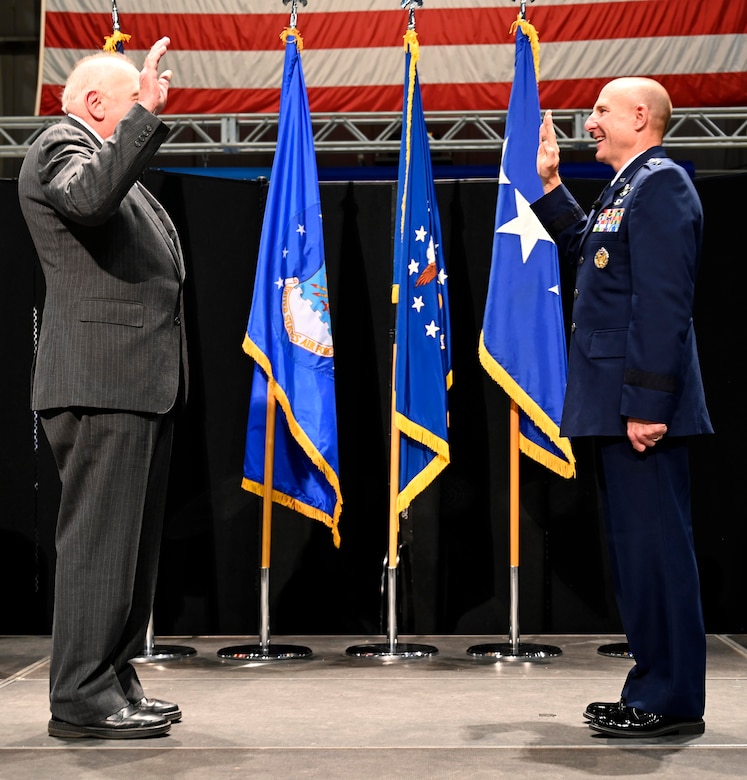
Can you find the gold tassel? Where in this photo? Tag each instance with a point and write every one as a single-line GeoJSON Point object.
{"type": "Point", "coordinates": [296, 35]}
{"type": "Point", "coordinates": [531, 33]}
{"type": "Point", "coordinates": [111, 41]}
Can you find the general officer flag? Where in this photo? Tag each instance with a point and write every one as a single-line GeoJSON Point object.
{"type": "Point", "coordinates": [289, 333]}
{"type": "Point", "coordinates": [422, 352]}
{"type": "Point", "coordinates": [522, 344]}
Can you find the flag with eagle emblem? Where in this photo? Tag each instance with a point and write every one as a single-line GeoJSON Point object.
{"type": "Point", "coordinates": [422, 350]}
{"type": "Point", "coordinates": [289, 333]}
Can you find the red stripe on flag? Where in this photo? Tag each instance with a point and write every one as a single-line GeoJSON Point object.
{"type": "Point", "coordinates": [692, 90]}
{"type": "Point", "coordinates": [367, 29]}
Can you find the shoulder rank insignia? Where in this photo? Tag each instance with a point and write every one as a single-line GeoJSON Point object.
{"type": "Point", "coordinates": [601, 258]}
{"type": "Point", "coordinates": [655, 161]}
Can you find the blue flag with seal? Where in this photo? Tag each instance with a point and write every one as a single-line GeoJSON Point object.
{"type": "Point", "coordinates": [522, 344]}
{"type": "Point", "coordinates": [422, 348]}
{"type": "Point", "coordinates": [289, 334]}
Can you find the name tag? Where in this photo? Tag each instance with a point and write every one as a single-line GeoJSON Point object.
{"type": "Point", "coordinates": [608, 221]}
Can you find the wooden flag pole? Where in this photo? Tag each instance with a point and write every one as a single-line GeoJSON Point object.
{"type": "Point", "coordinates": [393, 555]}
{"type": "Point", "coordinates": [264, 592]}
{"type": "Point", "coordinates": [263, 651]}
{"type": "Point", "coordinates": [392, 647]}
{"type": "Point", "coordinates": [513, 648]}
{"type": "Point", "coordinates": [513, 524]}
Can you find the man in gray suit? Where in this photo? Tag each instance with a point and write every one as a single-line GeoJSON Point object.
{"type": "Point", "coordinates": [110, 367]}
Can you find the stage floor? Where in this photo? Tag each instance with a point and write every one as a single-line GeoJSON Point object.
{"type": "Point", "coordinates": [448, 714]}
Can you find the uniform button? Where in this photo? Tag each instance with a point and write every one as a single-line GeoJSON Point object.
{"type": "Point", "coordinates": [573, 327]}
{"type": "Point", "coordinates": [177, 321]}
{"type": "Point", "coordinates": [580, 260]}
{"type": "Point", "coordinates": [575, 293]}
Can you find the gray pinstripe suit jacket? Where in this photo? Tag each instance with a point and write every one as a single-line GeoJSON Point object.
{"type": "Point", "coordinates": [112, 334]}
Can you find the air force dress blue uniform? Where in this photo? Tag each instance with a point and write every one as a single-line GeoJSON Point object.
{"type": "Point", "coordinates": [632, 353]}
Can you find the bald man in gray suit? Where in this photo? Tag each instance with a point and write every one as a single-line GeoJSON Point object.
{"type": "Point", "coordinates": [109, 370]}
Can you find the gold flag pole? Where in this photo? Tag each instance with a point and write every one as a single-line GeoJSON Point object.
{"type": "Point", "coordinates": [392, 648]}
{"type": "Point", "coordinates": [264, 651]}
{"type": "Point", "coordinates": [393, 554]}
{"type": "Point", "coordinates": [513, 648]}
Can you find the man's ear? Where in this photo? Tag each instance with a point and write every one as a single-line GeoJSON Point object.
{"type": "Point", "coordinates": [94, 105]}
{"type": "Point", "coordinates": [640, 116]}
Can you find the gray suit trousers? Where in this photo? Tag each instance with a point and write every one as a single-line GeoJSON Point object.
{"type": "Point", "coordinates": [114, 471]}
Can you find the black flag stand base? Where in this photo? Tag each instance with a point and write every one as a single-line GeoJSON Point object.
{"type": "Point", "coordinates": [616, 650]}
{"type": "Point", "coordinates": [514, 648]}
{"type": "Point", "coordinates": [155, 653]}
{"type": "Point", "coordinates": [264, 651]}
{"type": "Point", "coordinates": [268, 652]}
{"type": "Point", "coordinates": [392, 648]}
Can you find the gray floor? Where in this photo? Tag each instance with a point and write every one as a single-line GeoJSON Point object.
{"type": "Point", "coordinates": [450, 714]}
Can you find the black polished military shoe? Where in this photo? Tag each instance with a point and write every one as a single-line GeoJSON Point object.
{"type": "Point", "coordinates": [631, 722]}
{"type": "Point", "coordinates": [597, 708]}
{"type": "Point", "coordinates": [159, 707]}
{"type": "Point", "coordinates": [128, 723]}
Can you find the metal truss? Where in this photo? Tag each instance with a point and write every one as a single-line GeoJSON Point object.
{"type": "Point", "coordinates": [215, 135]}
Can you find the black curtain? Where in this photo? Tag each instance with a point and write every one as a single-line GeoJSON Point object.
{"type": "Point", "coordinates": [454, 575]}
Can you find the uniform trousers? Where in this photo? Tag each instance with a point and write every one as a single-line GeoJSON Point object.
{"type": "Point", "coordinates": [113, 467]}
{"type": "Point", "coordinates": [646, 506]}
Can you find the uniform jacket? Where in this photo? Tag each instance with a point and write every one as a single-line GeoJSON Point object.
{"type": "Point", "coordinates": [632, 350]}
{"type": "Point", "coordinates": [112, 334]}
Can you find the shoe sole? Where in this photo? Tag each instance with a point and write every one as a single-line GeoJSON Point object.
{"type": "Point", "coordinates": [72, 731]}
{"type": "Point", "coordinates": [172, 717]}
{"type": "Point", "coordinates": [677, 729]}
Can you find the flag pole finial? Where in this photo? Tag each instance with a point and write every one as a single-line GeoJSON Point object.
{"type": "Point", "coordinates": [523, 9]}
{"type": "Point", "coordinates": [410, 5]}
{"type": "Point", "coordinates": [294, 11]}
{"type": "Point", "coordinates": [115, 16]}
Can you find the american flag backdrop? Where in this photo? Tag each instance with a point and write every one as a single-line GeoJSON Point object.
{"type": "Point", "coordinates": [226, 54]}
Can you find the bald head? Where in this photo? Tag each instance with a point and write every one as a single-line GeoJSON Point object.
{"type": "Point", "coordinates": [647, 92]}
{"type": "Point", "coordinates": [631, 115]}
{"type": "Point", "coordinates": [97, 72]}
{"type": "Point", "coordinates": [101, 89]}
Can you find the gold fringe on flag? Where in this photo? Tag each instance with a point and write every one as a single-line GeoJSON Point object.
{"type": "Point", "coordinates": [296, 36]}
{"type": "Point", "coordinates": [111, 41]}
{"type": "Point", "coordinates": [531, 33]}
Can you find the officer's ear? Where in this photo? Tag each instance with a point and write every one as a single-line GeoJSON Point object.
{"type": "Point", "coordinates": [640, 116]}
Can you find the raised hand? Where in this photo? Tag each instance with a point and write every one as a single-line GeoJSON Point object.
{"type": "Point", "coordinates": [548, 154]}
{"type": "Point", "coordinates": [154, 88]}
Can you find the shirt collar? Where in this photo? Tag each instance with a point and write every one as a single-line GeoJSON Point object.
{"type": "Point", "coordinates": [86, 125]}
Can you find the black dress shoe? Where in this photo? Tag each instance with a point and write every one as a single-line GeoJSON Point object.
{"type": "Point", "coordinates": [597, 708]}
{"type": "Point", "coordinates": [631, 722]}
{"type": "Point", "coordinates": [128, 723]}
{"type": "Point", "coordinates": [159, 707]}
